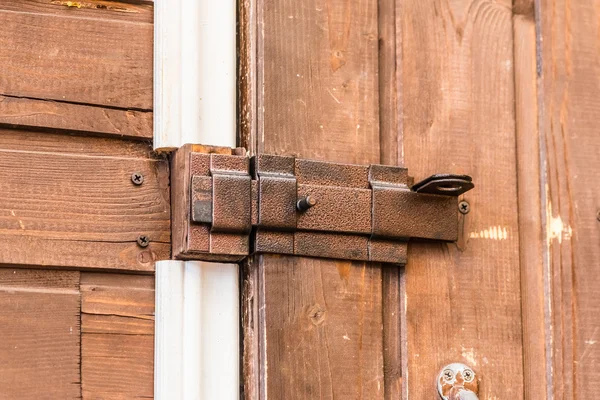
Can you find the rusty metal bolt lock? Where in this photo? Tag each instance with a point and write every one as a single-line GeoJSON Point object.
{"type": "Point", "coordinates": [464, 207]}
{"type": "Point", "coordinates": [457, 382]}
{"type": "Point", "coordinates": [143, 241]}
{"type": "Point", "coordinates": [305, 203]}
{"type": "Point", "coordinates": [137, 178]}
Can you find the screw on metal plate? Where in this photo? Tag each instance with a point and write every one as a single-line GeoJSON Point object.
{"type": "Point", "coordinates": [305, 203]}
{"type": "Point", "coordinates": [143, 241]}
{"type": "Point", "coordinates": [137, 178]}
{"type": "Point", "coordinates": [445, 184]}
{"type": "Point", "coordinates": [457, 382]}
{"type": "Point", "coordinates": [464, 207]}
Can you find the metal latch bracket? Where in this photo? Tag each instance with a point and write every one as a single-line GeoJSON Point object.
{"type": "Point", "coordinates": [226, 206]}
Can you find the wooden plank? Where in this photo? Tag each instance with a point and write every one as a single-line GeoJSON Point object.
{"type": "Point", "coordinates": [136, 10]}
{"type": "Point", "coordinates": [463, 300]}
{"type": "Point", "coordinates": [315, 325]}
{"type": "Point", "coordinates": [77, 209]}
{"type": "Point", "coordinates": [570, 192]}
{"type": "Point", "coordinates": [15, 111]}
{"type": "Point", "coordinates": [39, 327]}
{"type": "Point", "coordinates": [536, 372]}
{"type": "Point", "coordinates": [71, 59]}
{"type": "Point", "coordinates": [117, 336]}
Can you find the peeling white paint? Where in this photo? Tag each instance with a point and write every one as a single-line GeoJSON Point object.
{"type": "Point", "coordinates": [555, 228]}
{"type": "Point", "coordinates": [469, 355]}
{"type": "Point", "coordinates": [493, 232]}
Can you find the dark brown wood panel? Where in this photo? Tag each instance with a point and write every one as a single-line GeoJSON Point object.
{"type": "Point", "coordinates": [16, 111]}
{"type": "Point", "coordinates": [67, 58]}
{"type": "Point", "coordinates": [314, 327]}
{"type": "Point", "coordinates": [117, 336]}
{"type": "Point", "coordinates": [570, 73]}
{"type": "Point", "coordinates": [40, 335]}
{"type": "Point", "coordinates": [81, 210]}
{"type": "Point", "coordinates": [463, 300]}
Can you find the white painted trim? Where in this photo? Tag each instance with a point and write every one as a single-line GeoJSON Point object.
{"type": "Point", "coordinates": [197, 304]}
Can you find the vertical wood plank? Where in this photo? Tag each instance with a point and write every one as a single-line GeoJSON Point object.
{"type": "Point", "coordinates": [535, 339]}
{"type": "Point", "coordinates": [463, 300]}
{"type": "Point", "coordinates": [117, 336]}
{"type": "Point", "coordinates": [40, 336]}
{"type": "Point", "coordinates": [570, 69]}
{"type": "Point", "coordinates": [317, 324]}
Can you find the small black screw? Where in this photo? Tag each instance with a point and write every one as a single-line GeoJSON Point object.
{"type": "Point", "coordinates": [143, 241]}
{"type": "Point", "coordinates": [305, 203]}
{"type": "Point", "coordinates": [464, 207]}
{"type": "Point", "coordinates": [137, 178]}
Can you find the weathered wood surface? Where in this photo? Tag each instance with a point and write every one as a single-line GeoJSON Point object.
{"type": "Point", "coordinates": [71, 203]}
{"type": "Point", "coordinates": [463, 300]}
{"type": "Point", "coordinates": [536, 372]}
{"type": "Point", "coordinates": [39, 331]}
{"type": "Point", "coordinates": [69, 57]}
{"type": "Point", "coordinates": [117, 336]}
{"type": "Point", "coordinates": [31, 113]}
{"type": "Point", "coordinates": [570, 198]}
{"type": "Point", "coordinates": [314, 327]}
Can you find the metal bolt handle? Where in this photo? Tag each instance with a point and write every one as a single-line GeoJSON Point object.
{"type": "Point", "coordinates": [457, 382]}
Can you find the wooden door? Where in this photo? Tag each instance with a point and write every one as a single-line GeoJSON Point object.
{"type": "Point", "coordinates": [505, 91]}
{"type": "Point", "coordinates": [76, 290]}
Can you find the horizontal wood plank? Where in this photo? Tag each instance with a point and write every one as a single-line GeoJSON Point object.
{"type": "Point", "coordinates": [40, 335]}
{"type": "Point", "coordinates": [71, 59]}
{"type": "Point", "coordinates": [82, 210]}
{"type": "Point", "coordinates": [117, 325]}
{"type": "Point", "coordinates": [136, 10]}
{"type": "Point", "coordinates": [16, 111]}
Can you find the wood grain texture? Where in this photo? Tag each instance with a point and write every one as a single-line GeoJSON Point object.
{"type": "Point", "coordinates": [117, 336]}
{"type": "Point", "coordinates": [31, 113]}
{"type": "Point", "coordinates": [463, 300]}
{"type": "Point", "coordinates": [535, 339]}
{"type": "Point", "coordinates": [71, 59]}
{"type": "Point", "coordinates": [570, 73]}
{"type": "Point", "coordinates": [139, 11]}
{"type": "Point", "coordinates": [314, 325]}
{"type": "Point", "coordinates": [39, 327]}
{"type": "Point", "coordinates": [78, 209]}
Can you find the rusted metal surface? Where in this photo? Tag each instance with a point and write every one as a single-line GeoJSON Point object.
{"type": "Point", "coordinates": [310, 208]}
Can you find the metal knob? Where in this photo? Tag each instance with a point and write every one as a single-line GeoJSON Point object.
{"type": "Point", "coordinates": [457, 382]}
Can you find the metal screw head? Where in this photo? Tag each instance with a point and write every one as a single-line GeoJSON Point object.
{"type": "Point", "coordinates": [448, 375]}
{"type": "Point", "coordinates": [143, 241]}
{"type": "Point", "coordinates": [468, 375]}
{"type": "Point", "coordinates": [137, 178]}
{"type": "Point", "coordinates": [464, 207]}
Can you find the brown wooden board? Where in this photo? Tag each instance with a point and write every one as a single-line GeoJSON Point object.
{"type": "Point", "coordinates": [72, 203]}
{"type": "Point", "coordinates": [67, 57]}
{"type": "Point", "coordinates": [570, 193]}
{"type": "Point", "coordinates": [39, 334]}
{"type": "Point", "coordinates": [536, 373]}
{"type": "Point", "coordinates": [17, 111]}
{"type": "Point", "coordinates": [463, 300]}
{"type": "Point", "coordinates": [314, 327]}
{"type": "Point", "coordinates": [117, 336]}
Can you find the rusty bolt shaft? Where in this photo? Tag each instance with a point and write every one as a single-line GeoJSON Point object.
{"type": "Point", "coordinates": [305, 203]}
